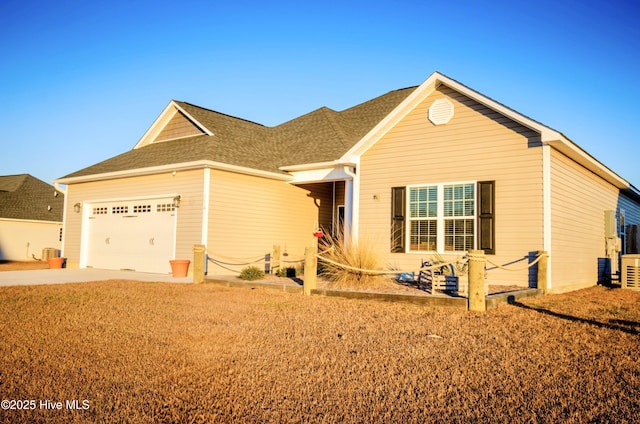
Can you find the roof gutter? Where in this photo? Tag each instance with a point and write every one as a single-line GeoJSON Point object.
{"type": "Point", "coordinates": [185, 166]}
{"type": "Point", "coordinates": [576, 153]}
{"type": "Point", "coordinates": [309, 166]}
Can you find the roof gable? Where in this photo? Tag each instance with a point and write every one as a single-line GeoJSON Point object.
{"type": "Point", "coordinates": [178, 127]}
{"type": "Point", "coordinates": [548, 136]}
{"type": "Point", "coordinates": [174, 122]}
{"type": "Point", "coordinates": [28, 198]}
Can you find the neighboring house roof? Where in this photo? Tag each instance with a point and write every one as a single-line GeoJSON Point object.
{"type": "Point", "coordinates": [26, 197]}
{"type": "Point", "coordinates": [321, 135]}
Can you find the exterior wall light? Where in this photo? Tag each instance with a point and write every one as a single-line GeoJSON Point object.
{"type": "Point", "coordinates": [77, 207]}
{"type": "Point", "coordinates": [176, 201]}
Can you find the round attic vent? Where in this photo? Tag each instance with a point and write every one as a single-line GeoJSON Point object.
{"type": "Point", "coordinates": [441, 111]}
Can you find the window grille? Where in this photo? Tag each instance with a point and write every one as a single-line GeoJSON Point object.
{"type": "Point", "coordinates": [141, 208]}
{"type": "Point", "coordinates": [165, 207]}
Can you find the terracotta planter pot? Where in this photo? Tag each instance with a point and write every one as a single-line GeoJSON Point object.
{"type": "Point", "coordinates": [179, 267]}
{"type": "Point", "coordinates": [55, 262]}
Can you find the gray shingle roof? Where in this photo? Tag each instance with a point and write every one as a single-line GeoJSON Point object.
{"type": "Point", "coordinates": [26, 197]}
{"type": "Point", "coordinates": [319, 136]}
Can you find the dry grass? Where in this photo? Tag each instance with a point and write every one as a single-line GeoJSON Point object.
{"type": "Point", "coordinates": [22, 265]}
{"type": "Point", "coordinates": [150, 352]}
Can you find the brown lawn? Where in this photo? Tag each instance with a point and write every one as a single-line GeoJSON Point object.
{"type": "Point", "coordinates": [22, 265]}
{"type": "Point", "coordinates": [155, 352]}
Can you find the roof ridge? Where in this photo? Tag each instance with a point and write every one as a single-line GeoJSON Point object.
{"type": "Point", "coordinates": [301, 117]}
{"type": "Point", "coordinates": [331, 116]}
{"type": "Point", "coordinates": [413, 87]}
{"type": "Point", "coordinates": [11, 183]}
{"type": "Point", "coordinates": [180, 102]}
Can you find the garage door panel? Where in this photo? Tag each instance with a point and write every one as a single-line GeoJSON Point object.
{"type": "Point", "coordinates": [137, 235]}
{"type": "Point", "coordinates": [101, 242]}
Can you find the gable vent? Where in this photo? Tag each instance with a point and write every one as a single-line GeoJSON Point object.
{"type": "Point", "coordinates": [631, 272]}
{"type": "Point", "coordinates": [441, 112]}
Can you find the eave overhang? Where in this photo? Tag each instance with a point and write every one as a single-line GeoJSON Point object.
{"type": "Point", "coordinates": [185, 166]}
{"type": "Point", "coordinates": [319, 172]}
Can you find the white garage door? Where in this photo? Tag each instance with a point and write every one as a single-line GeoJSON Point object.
{"type": "Point", "coordinates": [137, 235]}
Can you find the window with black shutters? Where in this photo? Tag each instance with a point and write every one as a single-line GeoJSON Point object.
{"type": "Point", "coordinates": [443, 217]}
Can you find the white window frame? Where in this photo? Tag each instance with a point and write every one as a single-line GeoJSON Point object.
{"type": "Point", "coordinates": [411, 219]}
{"type": "Point", "coordinates": [440, 218]}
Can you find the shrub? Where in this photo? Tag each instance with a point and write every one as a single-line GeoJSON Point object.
{"type": "Point", "coordinates": [359, 255]}
{"type": "Point", "coordinates": [251, 273]}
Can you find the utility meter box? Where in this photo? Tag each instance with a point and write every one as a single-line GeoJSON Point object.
{"type": "Point", "coordinates": [610, 224]}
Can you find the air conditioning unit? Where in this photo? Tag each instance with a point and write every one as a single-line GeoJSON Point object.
{"type": "Point", "coordinates": [631, 272]}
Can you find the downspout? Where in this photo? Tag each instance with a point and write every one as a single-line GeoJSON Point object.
{"type": "Point", "coordinates": [352, 206]}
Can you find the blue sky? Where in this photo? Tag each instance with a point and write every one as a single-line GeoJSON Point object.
{"type": "Point", "coordinates": [81, 81]}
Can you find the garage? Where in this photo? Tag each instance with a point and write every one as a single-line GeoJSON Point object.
{"type": "Point", "coordinates": [134, 235]}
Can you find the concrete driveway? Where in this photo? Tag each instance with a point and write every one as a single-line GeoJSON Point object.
{"type": "Point", "coordinates": [75, 275]}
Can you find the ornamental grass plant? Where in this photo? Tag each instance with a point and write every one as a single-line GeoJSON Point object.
{"type": "Point", "coordinates": [349, 263]}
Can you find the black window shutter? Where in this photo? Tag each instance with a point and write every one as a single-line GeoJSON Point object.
{"type": "Point", "coordinates": [397, 219]}
{"type": "Point", "coordinates": [486, 217]}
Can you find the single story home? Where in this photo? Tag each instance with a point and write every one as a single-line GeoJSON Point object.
{"type": "Point", "coordinates": [434, 169]}
{"type": "Point", "coordinates": [30, 217]}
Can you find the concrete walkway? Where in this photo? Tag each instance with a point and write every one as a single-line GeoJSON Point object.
{"type": "Point", "coordinates": [75, 275]}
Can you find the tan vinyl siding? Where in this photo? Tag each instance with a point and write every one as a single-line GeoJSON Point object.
{"type": "Point", "coordinates": [178, 127]}
{"type": "Point", "coordinates": [476, 145]}
{"type": "Point", "coordinates": [579, 199]}
{"type": "Point", "coordinates": [329, 196]}
{"type": "Point", "coordinates": [248, 215]}
{"type": "Point", "coordinates": [23, 240]}
{"type": "Point", "coordinates": [189, 184]}
{"type": "Point", "coordinates": [323, 192]}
